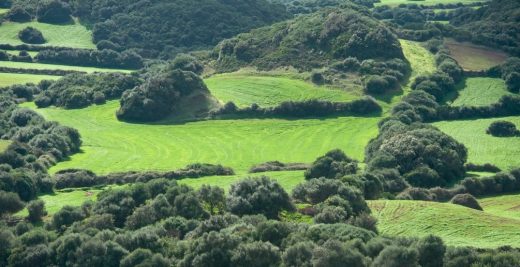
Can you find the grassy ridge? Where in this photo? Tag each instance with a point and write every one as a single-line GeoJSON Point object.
{"type": "Point", "coordinates": [70, 35]}
{"type": "Point", "coordinates": [474, 57]}
{"type": "Point", "coordinates": [506, 205]}
{"type": "Point", "coordinates": [484, 148]}
{"type": "Point", "coordinates": [244, 90]}
{"type": "Point", "coordinates": [457, 225]}
{"type": "Point", "coordinates": [7, 79]}
{"type": "Point", "coordinates": [41, 66]}
{"type": "Point", "coordinates": [110, 145]}
{"type": "Point", "coordinates": [4, 144]}
{"type": "Point", "coordinates": [481, 91]}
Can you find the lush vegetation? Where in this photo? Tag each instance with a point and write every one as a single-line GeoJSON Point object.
{"type": "Point", "coordinates": [7, 79]}
{"type": "Point", "coordinates": [480, 91]}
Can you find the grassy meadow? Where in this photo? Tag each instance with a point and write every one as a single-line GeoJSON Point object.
{"type": "Point", "coordinates": [505, 205]}
{"type": "Point", "coordinates": [480, 91]}
{"type": "Point", "coordinates": [110, 145]}
{"type": "Point", "coordinates": [475, 57]}
{"type": "Point", "coordinates": [42, 66]}
{"type": "Point", "coordinates": [7, 79]}
{"type": "Point", "coordinates": [245, 89]}
{"type": "Point", "coordinates": [72, 35]}
{"type": "Point", "coordinates": [4, 144]}
{"type": "Point", "coordinates": [482, 147]}
{"type": "Point", "coordinates": [456, 225]}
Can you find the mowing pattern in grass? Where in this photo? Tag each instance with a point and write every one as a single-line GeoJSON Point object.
{"type": "Point", "coordinates": [484, 148]}
{"type": "Point", "coordinates": [244, 90]}
{"type": "Point", "coordinates": [474, 57]}
{"type": "Point", "coordinates": [424, 2]}
{"type": "Point", "coordinates": [506, 206]}
{"type": "Point", "coordinates": [456, 225]}
{"type": "Point", "coordinates": [70, 35]}
{"type": "Point", "coordinates": [481, 92]}
{"type": "Point", "coordinates": [110, 145]}
{"type": "Point", "coordinates": [4, 144]}
{"type": "Point", "coordinates": [40, 66]}
{"type": "Point", "coordinates": [7, 79]}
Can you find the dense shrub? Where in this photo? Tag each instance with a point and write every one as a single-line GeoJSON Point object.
{"type": "Point", "coordinates": [487, 167]}
{"type": "Point", "coordinates": [53, 11]}
{"type": "Point", "coordinates": [502, 129]}
{"type": "Point", "coordinates": [91, 58]}
{"type": "Point", "coordinates": [36, 211]}
{"type": "Point", "coordinates": [513, 82]}
{"type": "Point", "coordinates": [466, 200]}
{"type": "Point", "coordinates": [18, 14]}
{"type": "Point", "coordinates": [9, 203]}
{"type": "Point", "coordinates": [334, 164]}
{"type": "Point", "coordinates": [31, 35]}
{"type": "Point", "coordinates": [187, 62]}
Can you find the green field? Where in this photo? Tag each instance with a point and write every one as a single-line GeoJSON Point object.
{"type": "Point", "coordinates": [16, 52]}
{"type": "Point", "coordinates": [4, 144]}
{"type": "Point", "coordinates": [110, 145]}
{"type": "Point", "coordinates": [244, 90]}
{"type": "Point", "coordinates": [504, 205]}
{"type": "Point", "coordinates": [481, 91]}
{"type": "Point", "coordinates": [456, 225]}
{"type": "Point", "coordinates": [424, 2]}
{"type": "Point", "coordinates": [70, 35]}
{"type": "Point", "coordinates": [41, 66]}
{"type": "Point", "coordinates": [7, 79]}
{"type": "Point", "coordinates": [474, 57]}
{"type": "Point", "coordinates": [4, 10]}
{"type": "Point", "coordinates": [484, 148]}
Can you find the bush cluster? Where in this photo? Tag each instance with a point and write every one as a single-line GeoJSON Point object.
{"type": "Point", "coordinates": [31, 35]}
{"type": "Point", "coordinates": [91, 58]}
{"type": "Point", "coordinates": [277, 166]}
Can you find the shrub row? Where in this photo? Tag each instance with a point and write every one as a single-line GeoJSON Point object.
{"type": "Point", "coordinates": [277, 166]}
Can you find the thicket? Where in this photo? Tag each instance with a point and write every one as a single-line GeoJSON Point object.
{"type": "Point", "coordinates": [91, 58]}
{"type": "Point", "coordinates": [502, 129]}
{"type": "Point", "coordinates": [31, 35]}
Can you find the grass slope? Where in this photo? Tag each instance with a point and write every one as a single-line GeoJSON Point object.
{"type": "Point", "coordinates": [7, 79]}
{"type": "Point", "coordinates": [474, 57]}
{"type": "Point", "coordinates": [4, 144]}
{"type": "Point", "coordinates": [456, 225]}
{"type": "Point", "coordinates": [506, 205]}
{"type": "Point", "coordinates": [245, 89]}
{"type": "Point", "coordinates": [41, 66]}
{"type": "Point", "coordinates": [110, 145]}
{"type": "Point", "coordinates": [480, 91]}
{"type": "Point", "coordinates": [69, 35]}
{"type": "Point", "coordinates": [484, 148]}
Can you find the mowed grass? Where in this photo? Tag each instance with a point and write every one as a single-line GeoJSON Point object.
{"type": "Point", "coordinates": [424, 2]}
{"type": "Point", "coordinates": [41, 66]}
{"type": "Point", "coordinates": [505, 205]}
{"type": "Point", "coordinates": [70, 35]}
{"type": "Point", "coordinates": [4, 144]}
{"type": "Point", "coordinates": [456, 225]}
{"type": "Point", "coordinates": [480, 91]}
{"type": "Point", "coordinates": [474, 57]}
{"type": "Point", "coordinates": [110, 145]}
{"type": "Point", "coordinates": [245, 89]}
{"type": "Point", "coordinates": [7, 79]}
{"type": "Point", "coordinates": [483, 148]}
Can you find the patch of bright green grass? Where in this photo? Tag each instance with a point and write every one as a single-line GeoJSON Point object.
{"type": "Point", "coordinates": [3, 10]}
{"type": "Point", "coordinates": [4, 144]}
{"type": "Point", "coordinates": [456, 225]}
{"type": "Point", "coordinates": [68, 35]}
{"type": "Point", "coordinates": [475, 57]}
{"type": "Point", "coordinates": [110, 145]}
{"type": "Point", "coordinates": [482, 147]}
{"type": "Point", "coordinates": [7, 79]}
{"type": "Point", "coordinates": [480, 91]}
{"type": "Point", "coordinates": [244, 90]}
{"type": "Point", "coordinates": [424, 2]}
{"type": "Point", "coordinates": [506, 205]}
{"type": "Point", "coordinates": [16, 52]}
{"type": "Point", "coordinates": [41, 66]}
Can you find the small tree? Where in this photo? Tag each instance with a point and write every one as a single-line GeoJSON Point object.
{"type": "Point", "coordinates": [31, 35]}
{"type": "Point", "coordinates": [466, 200]}
{"type": "Point", "coordinates": [513, 82]}
{"type": "Point", "coordinates": [36, 210]}
{"type": "Point", "coordinates": [502, 129]}
{"type": "Point", "coordinates": [376, 85]}
{"type": "Point", "coordinates": [10, 203]}
{"type": "Point", "coordinates": [334, 164]}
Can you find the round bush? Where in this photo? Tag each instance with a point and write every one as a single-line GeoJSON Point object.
{"type": "Point", "coordinates": [466, 200]}
{"type": "Point", "coordinates": [502, 129]}
{"type": "Point", "coordinates": [376, 85]}
{"type": "Point", "coordinates": [53, 11]}
{"type": "Point", "coordinates": [18, 14]}
{"type": "Point", "coordinates": [31, 35]}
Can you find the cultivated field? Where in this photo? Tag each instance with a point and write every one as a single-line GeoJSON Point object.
{"type": "Point", "coordinates": [70, 35]}
{"type": "Point", "coordinates": [110, 145]}
{"type": "Point", "coordinates": [245, 89]}
{"type": "Point", "coordinates": [7, 79]}
{"type": "Point", "coordinates": [474, 57]}
{"type": "Point", "coordinates": [457, 225]}
{"type": "Point", "coordinates": [480, 91]}
{"type": "Point", "coordinates": [41, 66]}
{"type": "Point", "coordinates": [484, 148]}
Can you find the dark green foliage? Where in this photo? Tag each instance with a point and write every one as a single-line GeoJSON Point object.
{"type": "Point", "coordinates": [258, 196]}
{"type": "Point", "coordinates": [36, 210]}
{"type": "Point", "coordinates": [159, 95]}
{"type": "Point", "coordinates": [106, 58]}
{"type": "Point", "coordinates": [336, 254]}
{"type": "Point", "coordinates": [431, 251]}
{"type": "Point", "coordinates": [144, 257]}
{"type": "Point", "coordinates": [31, 35]}
{"type": "Point", "coordinates": [66, 216]}
{"type": "Point", "coordinates": [513, 82]}
{"type": "Point", "coordinates": [213, 198]}
{"type": "Point", "coordinates": [334, 164]}
{"type": "Point", "coordinates": [396, 256]}
{"type": "Point", "coordinates": [9, 203]}
{"type": "Point", "coordinates": [256, 254]}
{"type": "Point", "coordinates": [187, 62]}
{"type": "Point", "coordinates": [376, 84]}
{"type": "Point", "coordinates": [53, 11]}
{"type": "Point", "coordinates": [502, 129]}
{"type": "Point", "coordinates": [18, 14]}
{"type": "Point", "coordinates": [298, 255]}
{"type": "Point", "coordinates": [277, 166]}
{"type": "Point", "coordinates": [466, 200]}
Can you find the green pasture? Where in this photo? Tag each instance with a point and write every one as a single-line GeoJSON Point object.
{"type": "Point", "coordinates": [3, 10]}
{"type": "Point", "coordinates": [480, 91]}
{"type": "Point", "coordinates": [7, 79]}
{"type": "Point", "coordinates": [456, 225]}
{"type": "Point", "coordinates": [110, 145]}
{"type": "Point", "coordinates": [245, 89]}
{"type": "Point", "coordinates": [42, 66]}
{"type": "Point", "coordinates": [474, 57]}
{"type": "Point", "coordinates": [484, 148]}
{"type": "Point", "coordinates": [4, 144]}
{"type": "Point", "coordinates": [72, 35]}
{"type": "Point", "coordinates": [505, 205]}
